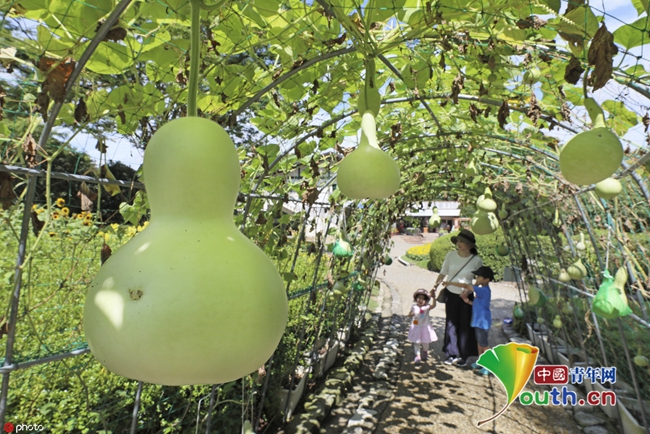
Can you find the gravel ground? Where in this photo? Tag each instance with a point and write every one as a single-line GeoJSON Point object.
{"type": "Point", "coordinates": [436, 398]}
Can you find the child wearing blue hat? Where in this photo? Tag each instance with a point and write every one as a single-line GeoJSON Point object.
{"type": "Point", "coordinates": [481, 314]}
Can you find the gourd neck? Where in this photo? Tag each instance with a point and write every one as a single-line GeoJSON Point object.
{"type": "Point", "coordinates": [368, 131]}
{"type": "Point", "coordinates": [596, 113]}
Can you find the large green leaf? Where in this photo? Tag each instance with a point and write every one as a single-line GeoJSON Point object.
{"type": "Point", "coordinates": [110, 58]}
{"type": "Point", "coordinates": [641, 6]}
{"type": "Point", "coordinates": [621, 119]}
{"type": "Point", "coordinates": [633, 35]}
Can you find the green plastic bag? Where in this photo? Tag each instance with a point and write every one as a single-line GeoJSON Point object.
{"type": "Point", "coordinates": [609, 303]}
{"type": "Point", "coordinates": [342, 249]}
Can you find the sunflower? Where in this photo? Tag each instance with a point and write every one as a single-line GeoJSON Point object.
{"type": "Point", "coordinates": [52, 234]}
{"type": "Point", "coordinates": [56, 215]}
{"type": "Point", "coordinates": [60, 203]}
{"type": "Point", "coordinates": [81, 215]}
{"type": "Point", "coordinates": [87, 222]}
{"type": "Point", "coordinates": [65, 211]}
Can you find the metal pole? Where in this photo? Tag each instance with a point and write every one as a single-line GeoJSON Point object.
{"type": "Point", "coordinates": [602, 267]}
{"type": "Point", "coordinates": [29, 201]}
{"type": "Point", "coordinates": [209, 420]}
{"type": "Point", "coordinates": [136, 408]}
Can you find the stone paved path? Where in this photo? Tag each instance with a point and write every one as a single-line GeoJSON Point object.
{"type": "Point", "coordinates": [436, 398]}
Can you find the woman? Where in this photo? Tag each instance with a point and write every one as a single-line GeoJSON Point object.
{"type": "Point", "coordinates": [460, 338]}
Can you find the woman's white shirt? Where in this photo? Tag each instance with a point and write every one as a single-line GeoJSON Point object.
{"type": "Point", "coordinates": [453, 263]}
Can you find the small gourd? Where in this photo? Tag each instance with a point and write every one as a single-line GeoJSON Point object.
{"type": "Point", "coordinates": [577, 271]}
{"type": "Point", "coordinates": [641, 361]}
{"type": "Point", "coordinates": [580, 245]}
{"type": "Point", "coordinates": [620, 279]}
{"type": "Point", "coordinates": [557, 322]}
{"type": "Point", "coordinates": [563, 276]}
{"type": "Point", "coordinates": [519, 313]}
{"type": "Point", "coordinates": [608, 188]}
{"type": "Point", "coordinates": [484, 223]}
{"type": "Point", "coordinates": [567, 309]}
{"type": "Point", "coordinates": [166, 307]}
{"type": "Point", "coordinates": [485, 201]}
{"type": "Point", "coordinates": [387, 260]}
{"type": "Point", "coordinates": [502, 249]}
{"type": "Point", "coordinates": [368, 172]}
{"type": "Point", "coordinates": [556, 220]}
{"type": "Point", "coordinates": [471, 169]}
{"type": "Point", "coordinates": [593, 155]}
{"type": "Point", "coordinates": [532, 76]}
{"type": "Point", "coordinates": [536, 296]}
{"type": "Point", "coordinates": [435, 220]}
{"type": "Point", "coordinates": [540, 320]}
{"type": "Point", "coordinates": [503, 213]}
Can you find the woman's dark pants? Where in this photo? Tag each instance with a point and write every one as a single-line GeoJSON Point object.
{"type": "Point", "coordinates": [460, 338]}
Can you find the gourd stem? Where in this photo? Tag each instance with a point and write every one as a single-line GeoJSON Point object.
{"type": "Point", "coordinates": [595, 113]}
{"type": "Point", "coordinates": [195, 54]}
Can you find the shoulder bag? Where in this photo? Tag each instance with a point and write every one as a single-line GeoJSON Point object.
{"type": "Point", "coordinates": [444, 293]}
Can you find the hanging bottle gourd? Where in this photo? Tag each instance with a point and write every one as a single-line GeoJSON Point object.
{"type": "Point", "coordinates": [577, 270]}
{"type": "Point", "coordinates": [163, 308]}
{"type": "Point", "coordinates": [563, 276]}
{"type": "Point", "coordinates": [593, 155]}
{"type": "Point", "coordinates": [368, 172]}
{"type": "Point", "coordinates": [191, 264]}
{"type": "Point", "coordinates": [608, 302]}
{"type": "Point", "coordinates": [580, 245]}
{"type": "Point", "coordinates": [532, 76]}
{"type": "Point", "coordinates": [484, 223]}
{"type": "Point", "coordinates": [503, 213]}
{"type": "Point", "coordinates": [471, 170]}
{"type": "Point", "coordinates": [608, 188]}
{"type": "Point", "coordinates": [342, 248]}
{"type": "Point", "coordinates": [620, 279]}
{"type": "Point", "coordinates": [435, 220]}
{"type": "Point", "coordinates": [557, 322]}
{"type": "Point", "coordinates": [485, 201]}
{"type": "Point", "coordinates": [518, 312]}
{"type": "Point", "coordinates": [502, 249]}
{"type": "Point", "coordinates": [556, 220]}
{"type": "Point", "coordinates": [536, 296]}
{"type": "Point", "coordinates": [247, 428]}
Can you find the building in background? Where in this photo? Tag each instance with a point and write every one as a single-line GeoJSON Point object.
{"type": "Point", "coordinates": [449, 213]}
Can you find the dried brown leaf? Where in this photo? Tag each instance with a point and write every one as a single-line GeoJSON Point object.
{"type": "Point", "coordinates": [81, 112]}
{"type": "Point", "coordinates": [29, 148]}
{"type": "Point", "coordinates": [7, 194]}
{"type": "Point", "coordinates": [57, 76]}
{"type": "Point", "coordinates": [105, 253]}
{"type": "Point", "coordinates": [573, 71]}
{"type": "Point", "coordinates": [534, 111]}
{"type": "Point", "coordinates": [504, 112]}
{"type": "Point", "coordinates": [456, 87]}
{"type": "Point", "coordinates": [601, 54]}
{"type": "Point", "coordinates": [116, 34]}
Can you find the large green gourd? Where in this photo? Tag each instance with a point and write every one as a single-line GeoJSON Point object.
{"type": "Point", "coordinates": [189, 300]}
{"type": "Point", "coordinates": [484, 223]}
{"type": "Point", "coordinates": [368, 172]}
{"type": "Point", "coordinates": [594, 155]}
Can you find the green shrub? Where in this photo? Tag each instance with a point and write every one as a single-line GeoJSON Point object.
{"type": "Point", "coordinates": [486, 245]}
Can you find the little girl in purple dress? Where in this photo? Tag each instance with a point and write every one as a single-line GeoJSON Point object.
{"type": "Point", "coordinates": [421, 333]}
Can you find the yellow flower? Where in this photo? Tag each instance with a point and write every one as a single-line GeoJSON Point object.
{"type": "Point", "coordinates": [34, 207]}
{"type": "Point", "coordinates": [60, 202]}
{"type": "Point", "coordinates": [56, 215]}
{"type": "Point", "coordinates": [81, 216]}
{"type": "Point", "coordinates": [65, 211]}
{"type": "Point", "coordinates": [130, 231]}
{"type": "Point", "coordinates": [87, 222]}
{"type": "Point", "coordinates": [40, 211]}
{"type": "Point", "coordinates": [107, 237]}
{"type": "Point", "coordinates": [144, 225]}
{"type": "Point", "coordinates": [115, 226]}
{"type": "Point", "coordinates": [88, 218]}
{"type": "Point", "coordinates": [52, 234]}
